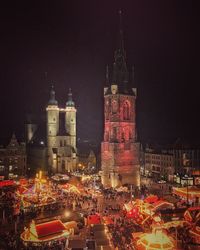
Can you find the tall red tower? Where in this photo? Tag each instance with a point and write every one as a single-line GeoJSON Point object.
{"type": "Point", "coordinates": [119, 149]}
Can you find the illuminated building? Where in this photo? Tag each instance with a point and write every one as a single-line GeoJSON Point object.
{"type": "Point", "coordinates": [13, 159]}
{"type": "Point", "coordinates": [167, 160]}
{"type": "Point", "coordinates": [119, 149]}
{"type": "Point", "coordinates": [61, 134]}
{"type": "Point", "coordinates": [159, 164]}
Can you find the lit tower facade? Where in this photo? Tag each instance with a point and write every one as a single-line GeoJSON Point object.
{"type": "Point", "coordinates": [52, 123]}
{"type": "Point", "coordinates": [61, 135]}
{"type": "Point", "coordinates": [70, 119]}
{"type": "Point", "coordinates": [119, 149]}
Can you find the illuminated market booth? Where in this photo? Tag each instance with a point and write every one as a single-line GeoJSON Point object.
{"type": "Point", "coordinates": [45, 233]}
{"type": "Point", "coordinates": [189, 193]}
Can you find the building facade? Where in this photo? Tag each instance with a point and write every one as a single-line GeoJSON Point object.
{"type": "Point", "coordinates": [159, 164]}
{"type": "Point", "coordinates": [119, 149]}
{"type": "Point", "coordinates": [61, 135]}
{"type": "Point", "coordinates": [13, 159]}
{"type": "Point", "coordinates": [170, 162]}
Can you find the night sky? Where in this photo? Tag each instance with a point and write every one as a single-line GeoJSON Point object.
{"type": "Point", "coordinates": [70, 42]}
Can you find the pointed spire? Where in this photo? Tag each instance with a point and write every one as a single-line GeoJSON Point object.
{"type": "Point", "coordinates": [107, 75]}
{"type": "Point", "coordinates": [52, 100]}
{"type": "Point", "coordinates": [133, 74]}
{"type": "Point", "coordinates": [120, 72]}
{"type": "Point", "coordinates": [70, 102]}
{"type": "Point", "coordinates": [13, 142]}
{"type": "Point", "coordinates": [121, 38]}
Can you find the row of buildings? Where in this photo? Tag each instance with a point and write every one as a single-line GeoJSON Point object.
{"type": "Point", "coordinates": [167, 163]}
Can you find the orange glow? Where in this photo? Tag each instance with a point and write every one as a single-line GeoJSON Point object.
{"type": "Point", "coordinates": [191, 192]}
{"type": "Point", "coordinates": [156, 240]}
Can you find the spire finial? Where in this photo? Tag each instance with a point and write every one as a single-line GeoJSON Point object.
{"type": "Point", "coordinates": [52, 100]}
{"type": "Point", "coordinates": [121, 39]}
{"type": "Point", "coordinates": [133, 73]}
{"type": "Point", "coordinates": [70, 102]}
{"type": "Point", "coordinates": [107, 74]}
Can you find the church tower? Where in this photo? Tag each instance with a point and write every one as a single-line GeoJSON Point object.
{"type": "Point", "coordinates": [61, 135]}
{"type": "Point", "coordinates": [70, 119]}
{"type": "Point", "coordinates": [119, 149]}
{"type": "Point", "coordinates": [52, 125]}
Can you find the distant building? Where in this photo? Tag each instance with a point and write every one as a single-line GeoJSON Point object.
{"type": "Point", "coordinates": [13, 159]}
{"type": "Point", "coordinates": [159, 164]}
{"type": "Point", "coordinates": [168, 161]}
{"type": "Point", "coordinates": [119, 149]}
{"type": "Point", "coordinates": [87, 159]}
{"type": "Point", "coordinates": [186, 159]}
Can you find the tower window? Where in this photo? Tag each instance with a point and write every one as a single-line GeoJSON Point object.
{"type": "Point", "coordinates": [61, 144]}
{"type": "Point", "coordinates": [114, 135]}
{"type": "Point", "coordinates": [114, 106]}
{"type": "Point", "coordinates": [126, 111]}
{"type": "Point", "coordinates": [122, 136]}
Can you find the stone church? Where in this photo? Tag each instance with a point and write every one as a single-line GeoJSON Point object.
{"type": "Point", "coordinates": [56, 152]}
{"type": "Point", "coordinates": [61, 134]}
{"type": "Point", "coordinates": [119, 149]}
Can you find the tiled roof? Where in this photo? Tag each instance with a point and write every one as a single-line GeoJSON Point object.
{"type": "Point", "coordinates": [49, 228]}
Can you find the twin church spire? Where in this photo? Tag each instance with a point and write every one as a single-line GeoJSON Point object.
{"type": "Point", "coordinates": [53, 101]}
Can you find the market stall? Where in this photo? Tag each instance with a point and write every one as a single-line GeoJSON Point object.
{"type": "Point", "coordinates": [189, 193]}
{"type": "Point", "coordinates": [41, 234]}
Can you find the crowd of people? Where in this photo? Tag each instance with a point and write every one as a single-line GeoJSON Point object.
{"type": "Point", "coordinates": [104, 202]}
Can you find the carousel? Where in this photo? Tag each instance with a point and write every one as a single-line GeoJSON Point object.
{"type": "Point", "coordinates": [38, 193]}
{"type": "Point", "coordinates": [156, 240]}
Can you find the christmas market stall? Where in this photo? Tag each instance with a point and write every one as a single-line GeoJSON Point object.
{"type": "Point", "coordinates": [45, 233]}
{"type": "Point", "coordinates": [189, 194]}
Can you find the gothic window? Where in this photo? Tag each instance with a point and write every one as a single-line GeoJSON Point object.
{"type": "Point", "coordinates": [114, 135]}
{"type": "Point", "coordinates": [126, 111]}
{"type": "Point", "coordinates": [65, 143]}
{"type": "Point", "coordinates": [130, 135]}
{"type": "Point", "coordinates": [122, 136]}
{"type": "Point", "coordinates": [107, 110]}
{"type": "Point", "coordinates": [61, 144]}
{"type": "Point", "coordinates": [114, 106]}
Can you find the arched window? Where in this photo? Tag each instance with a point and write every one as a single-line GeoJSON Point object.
{"type": "Point", "coordinates": [126, 111]}
{"type": "Point", "coordinates": [114, 106]}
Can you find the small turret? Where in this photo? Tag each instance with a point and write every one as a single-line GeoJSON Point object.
{"type": "Point", "coordinates": [52, 100]}
{"type": "Point", "coordinates": [70, 102]}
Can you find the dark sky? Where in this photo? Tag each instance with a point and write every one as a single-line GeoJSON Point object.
{"type": "Point", "coordinates": [74, 40]}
